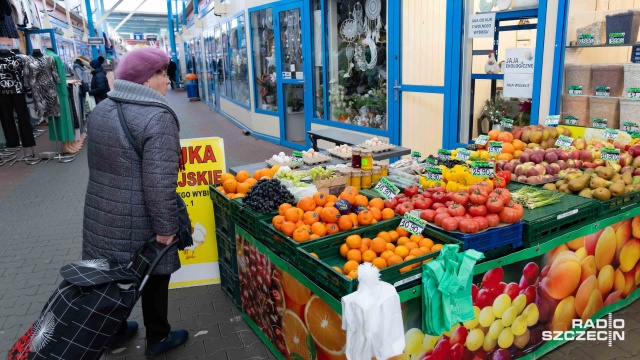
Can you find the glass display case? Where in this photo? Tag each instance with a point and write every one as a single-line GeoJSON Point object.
{"type": "Point", "coordinates": [264, 58]}
{"type": "Point", "coordinates": [239, 61]}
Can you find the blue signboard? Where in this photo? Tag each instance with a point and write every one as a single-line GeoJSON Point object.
{"type": "Point", "coordinates": [137, 36]}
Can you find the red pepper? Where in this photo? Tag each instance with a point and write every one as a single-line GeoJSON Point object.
{"type": "Point", "coordinates": [499, 182]}
{"type": "Point", "coordinates": [506, 175]}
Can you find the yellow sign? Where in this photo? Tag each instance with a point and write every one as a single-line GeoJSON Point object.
{"type": "Point", "coordinates": [204, 163]}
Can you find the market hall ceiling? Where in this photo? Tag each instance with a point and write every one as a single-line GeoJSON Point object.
{"type": "Point", "coordinates": [139, 22]}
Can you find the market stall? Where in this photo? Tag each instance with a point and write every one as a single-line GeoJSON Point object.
{"type": "Point", "coordinates": [557, 225]}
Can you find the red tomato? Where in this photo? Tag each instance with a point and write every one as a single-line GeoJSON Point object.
{"type": "Point", "coordinates": [448, 203]}
{"type": "Point", "coordinates": [437, 205]}
{"type": "Point", "coordinates": [442, 210]}
{"type": "Point", "coordinates": [478, 197]}
{"type": "Point", "coordinates": [450, 224]}
{"type": "Point", "coordinates": [428, 215]}
{"type": "Point", "coordinates": [456, 210]}
{"type": "Point", "coordinates": [493, 219]}
{"type": "Point", "coordinates": [440, 196]}
{"type": "Point", "coordinates": [461, 197]}
{"type": "Point", "coordinates": [438, 219]}
{"type": "Point", "coordinates": [436, 189]}
{"type": "Point", "coordinates": [460, 218]}
{"type": "Point", "coordinates": [477, 210]}
{"type": "Point", "coordinates": [495, 204]}
{"type": "Point", "coordinates": [504, 194]}
{"type": "Point", "coordinates": [469, 226]}
{"type": "Point", "coordinates": [426, 195]}
{"type": "Point", "coordinates": [482, 221]}
{"type": "Point", "coordinates": [511, 213]}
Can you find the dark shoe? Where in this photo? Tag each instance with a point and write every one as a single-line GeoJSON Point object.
{"type": "Point", "coordinates": [125, 334]}
{"type": "Point", "coordinates": [172, 341]}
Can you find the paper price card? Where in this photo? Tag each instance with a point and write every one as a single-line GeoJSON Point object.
{"type": "Point", "coordinates": [633, 93]}
{"type": "Point", "coordinates": [463, 155]}
{"type": "Point", "coordinates": [431, 161]}
{"type": "Point", "coordinates": [575, 90]}
{"type": "Point", "coordinates": [416, 157]}
{"type": "Point", "coordinates": [603, 91]}
{"type": "Point", "coordinates": [630, 127]}
{"type": "Point", "coordinates": [616, 38]}
{"type": "Point", "coordinates": [564, 142]}
{"type": "Point", "coordinates": [507, 124]}
{"type": "Point", "coordinates": [585, 40]}
{"type": "Point", "coordinates": [434, 173]}
{"type": "Point", "coordinates": [296, 157]}
{"type": "Point", "coordinates": [599, 123]}
{"type": "Point", "coordinates": [482, 139]}
{"type": "Point", "coordinates": [386, 189]}
{"type": "Point", "coordinates": [444, 155]}
{"type": "Point", "coordinates": [611, 134]}
{"type": "Point", "coordinates": [609, 154]}
{"type": "Point", "coordinates": [571, 120]}
{"type": "Point", "coordinates": [483, 169]}
{"type": "Point", "coordinates": [495, 147]}
{"type": "Point", "coordinates": [413, 224]}
{"type": "Point", "coordinates": [552, 120]}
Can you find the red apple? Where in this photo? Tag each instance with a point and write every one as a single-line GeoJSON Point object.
{"type": "Point", "coordinates": [634, 150]}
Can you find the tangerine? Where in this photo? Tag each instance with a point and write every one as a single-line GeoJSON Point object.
{"type": "Point", "coordinates": [354, 219]}
{"type": "Point", "coordinates": [226, 176]}
{"type": "Point", "coordinates": [505, 137]}
{"type": "Point", "coordinates": [337, 269]}
{"type": "Point", "coordinates": [403, 240]}
{"type": "Point", "coordinates": [230, 195]}
{"type": "Point", "coordinates": [284, 207]}
{"type": "Point", "coordinates": [379, 262]}
{"type": "Point", "coordinates": [243, 188]}
{"type": "Point", "coordinates": [363, 248]}
{"type": "Point", "coordinates": [505, 156]}
{"type": "Point", "coordinates": [386, 255]}
{"type": "Point", "coordinates": [301, 234]}
{"type": "Point", "coordinates": [508, 148]}
{"type": "Point", "coordinates": [330, 215]}
{"type": "Point", "coordinates": [355, 255]}
{"type": "Point", "coordinates": [319, 229]}
{"type": "Point", "coordinates": [332, 198]}
{"type": "Point", "coordinates": [354, 241]}
{"type": "Point", "coordinates": [425, 250]}
{"type": "Point", "coordinates": [330, 204]}
{"type": "Point", "coordinates": [314, 236]}
{"type": "Point", "coordinates": [307, 204]}
{"type": "Point", "coordinates": [320, 198]}
{"type": "Point", "coordinates": [292, 215]}
{"type": "Point", "coordinates": [408, 267]}
{"type": "Point", "coordinates": [388, 214]}
{"type": "Point", "coordinates": [368, 256]}
{"type": "Point", "coordinates": [426, 242]}
{"type": "Point", "coordinates": [288, 228]}
{"type": "Point", "coordinates": [277, 221]}
{"type": "Point", "coordinates": [394, 259]}
{"type": "Point", "coordinates": [251, 181]}
{"type": "Point", "coordinates": [230, 185]}
{"type": "Point", "coordinates": [353, 274]}
{"type": "Point", "coordinates": [436, 247]}
{"type": "Point", "coordinates": [365, 217]}
{"type": "Point", "coordinates": [493, 134]}
{"type": "Point", "coordinates": [391, 247]}
{"type": "Point", "coordinates": [351, 190]}
{"type": "Point", "coordinates": [299, 223]}
{"type": "Point", "coordinates": [345, 223]}
{"type": "Point", "coordinates": [379, 245]}
{"type": "Point", "coordinates": [350, 265]}
{"type": "Point", "coordinates": [402, 232]}
{"type": "Point", "coordinates": [377, 214]}
{"type": "Point", "coordinates": [385, 235]}
{"type": "Point", "coordinates": [351, 198]}
{"type": "Point", "coordinates": [402, 251]}
{"type": "Point", "coordinates": [361, 200]}
{"type": "Point", "coordinates": [221, 189]}
{"type": "Point", "coordinates": [416, 252]}
{"type": "Point", "coordinates": [310, 217]}
{"type": "Point", "coordinates": [237, 196]}
{"type": "Point", "coordinates": [411, 245]}
{"type": "Point", "coordinates": [394, 235]}
{"type": "Point", "coordinates": [344, 249]}
{"type": "Point", "coordinates": [416, 238]}
{"type": "Point", "coordinates": [366, 242]}
{"type": "Point", "coordinates": [275, 169]}
{"type": "Point", "coordinates": [268, 173]}
{"type": "Point", "coordinates": [332, 229]}
{"type": "Point", "coordinates": [242, 176]}
{"type": "Point", "coordinates": [318, 210]}
{"type": "Point", "coordinates": [377, 203]}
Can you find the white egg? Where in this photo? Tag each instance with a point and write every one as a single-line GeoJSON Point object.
{"type": "Point", "coordinates": [281, 154]}
{"type": "Point", "coordinates": [275, 158]}
{"type": "Point", "coordinates": [286, 159]}
{"type": "Point", "coordinates": [279, 161]}
{"type": "Point", "coordinates": [336, 148]}
{"type": "Point", "coordinates": [304, 153]}
{"type": "Point", "coordinates": [375, 139]}
{"type": "Point", "coordinates": [344, 151]}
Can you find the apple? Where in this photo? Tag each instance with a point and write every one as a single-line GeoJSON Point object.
{"type": "Point", "coordinates": [522, 179]}
{"type": "Point", "coordinates": [536, 137]}
{"type": "Point", "coordinates": [525, 136]}
{"type": "Point", "coordinates": [589, 165]}
{"type": "Point", "coordinates": [561, 164]}
{"type": "Point", "coordinates": [531, 172]}
{"type": "Point", "coordinates": [510, 167]}
{"type": "Point", "coordinates": [580, 143]}
{"type": "Point", "coordinates": [636, 162]}
{"type": "Point", "coordinates": [599, 162]}
{"type": "Point", "coordinates": [536, 158]}
{"type": "Point", "coordinates": [574, 154]}
{"type": "Point", "coordinates": [551, 157]}
{"type": "Point", "coordinates": [618, 145]}
{"type": "Point", "coordinates": [636, 173]}
{"type": "Point", "coordinates": [518, 171]}
{"type": "Point", "coordinates": [541, 169]}
{"type": "Point", "coordinates": [586, 155]}
{"type": "Point", "coordinates": [634, 150]}
{"type": "Point", "coordinates": [517, 133]}
{"type": "Point", "coordinates": [629, 169]}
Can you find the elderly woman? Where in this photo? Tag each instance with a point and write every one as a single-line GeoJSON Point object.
{"type": "Point", "coordinates": [131, 199]}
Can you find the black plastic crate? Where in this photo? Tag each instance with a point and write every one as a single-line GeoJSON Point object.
{"type": "Point", "coordinates": [227, 249]}
{"type": "Point", "coordinates": [230, 284]}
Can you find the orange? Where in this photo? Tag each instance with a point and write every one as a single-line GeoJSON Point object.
{"type": "Point", "coordinates": [319, 229]}
{"type": "Point", "coordinates": [436, 247]}
{"type": "Point", "coordinates": [295, 333]}
{"type": "Point", "coordinates": [314, 236]}
{"type": "Point", "coordinates": [379, 245]}
{"type": "Point", "coordinates": [344, 249]}
{"type": "Point", "coordinates": [292, 215]}
{"type": "Point", "coordinates": [310, 218]}
{"type": "Point", "coordinates": [363, 247]}
{"type": "Point", "coordinates": [518, 144]}
{"type": "Point", "coordinates": [330, 204]}
{"type": "Point", "coordinates": [508, 148]}
{"type": "Point", "coordinates": [377, 214]}
{"type": "Point", "coordinates": [301, 234]}
{"type": "Point", "coordinates": [355, 255]}
{"type": "Point", "coordinates": [368, 256]}
{"type": "Point", "coordinates": [330, 215]}
{"type": "Point", "coordinates": [385, 235]}
{"type": "Point", "coordinates": [505, 156]}
{"type": "Point", "coordinates": [275, 169]}
{"type": "Point", "coordinates": [288, 228]}
{"type": "Point", "coordinates": [314, 255]}
{"type": "Point", "coordinates": [394, 259]}
{"type": "Point", "coordinates": [351, 190]}
{"type": "Point", "coordinates": [294, 290]}
{"type": "Point", "coordinates": [318, 210]}
{"type": "Point", "coordinates": [386, 255]}
{"type": "Point", "coordinates": [408, 267]}
{"type": "Point", "coordinates": [351, 198]}
{"type": "Point", "coordinates": [284, 207]}
{"type": "Point", "coordinates": [365, 217]}
{"type": "Point", "coordinates": [332, 198]}
{"type": "Point", "coordinates": [221, 189]}
{"type": "Point", "coordinates": [353, 274]}
{"type": "Point", "coordinates": [277, 221]}
{"type": "Point", "coordinates": [376, 203]}
{"type": "Point", "coordinates": [517, 154]}
{"type": "Point", "coordinates": [505, 137]}
{"type": "Point", "coordinates": [337, 269]}
{"type": "Point", "coordinates": [425, 250]}
{"type": "Point", "coordinates": [237, 196]}
{"type": "Point", "coordinates": [332, 229]}
{"type": "Point", "coordinates": [320, 198]}
{"type": "Point", "coordinates": [299, 224]}
{"type": "Point", "coordinates": [226, 176]}
{"type": "Point", "coordinates": [362, 200]}
{"type": "Point", "coordinates": [402, 232]}
{"type": "Point", "coordinates": [325, 326]}
{"type": "Point", "coordinates": [394, 235]}
{"type": "Point", "coordinates": [403, 240]}
{"type": "Point", "coordinates": [243, 188]}
{"type": "Point", "coordinates": [388, 214]}
{"type": "Point", "coordinates": [411, 245]}
{"type": "Point", "coordinates": [350, 265]}
{"type": "Point", "coordinates": [230, 186]}
{"type": "Point", "coordinates": [354, 241]}
{"type": "Point", "coordinates": [354, 219]}
{"type": "Point", "coordinates": [380, 263]}
{"type": "Point", "coordinates": [251, 181]}
{"type": "Point", "coordinates": [416, 238]}
{"type": "Point", "coordinates": [426, 242]}
{"type": "Point", "coordinates": [242, 176]}
{"type": "Point", "coordinates": [366, 242]}
{"type": "Point", "coordinates": [402, 251]}
{"type": "Point", "coordinates": [268, 173]}
{"type": "Point", "coordinates": [493, 134]}
{"type": "Point", "coordinates": [256, 175]}
{"type": "Point", "coordinates": [391, 247]}
{"type": "Point", "coordinates": [416, 252]}
{"type": "Point", "coordinates": [231, 195]}
{"type": "Point", "coordinates": [345, 223]}
{"type": "Point", "coordinates": [307, 204]}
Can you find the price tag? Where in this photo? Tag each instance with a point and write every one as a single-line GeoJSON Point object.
{"type": "Point", "coordinates": [507, 124]}
{"type": "Point", "coordinates": [630, 127]}
{"type": "Point", "coordinates": [635, 135]}
{"type": "Point", "coordinates": [575, 90]}
{"type": "Point", "coordinates": [571, 120]}
{"type": "Point", "coordinates": [483, 169]}
{"type": "Point", "coordinates": [482, 139]}
{"type": "Point", "coordinates": [413, 224]}
{"type": "Point", "coordinates": [431, 161]}
{"type": "Point", "coordinates": [444, 155]}
{"type": "Point", "coordinates": [599, 123]}
{"type": "Point", "coordinates": [495, 147]}
{"type": "Point", "coordinates": [603, 91]}
{"type": "Point", "coordinates": [416, 157]}
{"type": "Point", "coordinates": [616, 38]}
{"type": "Point", "coordinates": [609, 154]}
{"type": "Point", "coordinates": [386, 189]}
{"type": "Point", "coordinates": [296, 157]}
{"type": "Point", "coordinates": [611, 134]}
{"type": "Point", "coordinates": [585, 40]}
{"type": "Point", "coordinates": [633, 93]}
{"type": "Point", "coordinates": [564, 142]}
{"type": "Point", "coordinates": [552, 120]}
{"type": "Point", "coordinates": [434, 173]}
{"type": "Point", "coordinates": [463, 155]}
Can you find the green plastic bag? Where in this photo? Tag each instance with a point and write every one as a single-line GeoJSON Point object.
{"type": "Point", "coordinates": [447, 289]}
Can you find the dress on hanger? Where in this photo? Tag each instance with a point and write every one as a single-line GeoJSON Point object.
{"type": "Point", "coordinates": [7, 26]}
{"type": "Point", "coordinates": [12, 98]}
{"type": "Point", "coordinates": [64, 122]}
{"type": "Point", "coordinates": [41, 76]}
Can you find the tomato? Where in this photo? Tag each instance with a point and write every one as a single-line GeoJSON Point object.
{"type": "Point", "coordinates": [439, 196]}
{"type": "Point", "coordinates": [468, 226]}
{"type": "Point", "coordinates": [456, 210]}
{"type": "Point", "coordinates": [504, 194]}
{"type": "Point", "coordinates": [477, 210]}
{"type": "Point", "coordinates": [442, 210]}
{"type": "Point", "coordinates": [403, 208]}
{"type": "Point", "coordinates": [448, 203]}
{"type": "Point", "coordinates": [428, 215]}
{"type": "Point", "coordinates": [437, 205]}
{"type": "Point", "coordinates": [493, 219]}
{"type": "Point", "coordinates": [495, 204]}
{"type": "Point", "coordinates": [484, 185]}
{"type": "Point", "coordinates": [461, 197]}
{"type": "Point", "coordinates": [460, 218]}
{"type": "Point", "coordinates": [438, 219]}
{"type": "Point", "coordinates": [416, 197]}
{"type": "Point", "coordinates": [511, 213]}
{"type": "Point", "coordinates": [450, 224]}
{"type": "Point", "coordinates": [426, 195]}
{"type": "Point", "coordinates": [436, 189]}
{"type": "Point", "coordinates": [422, 204]}
{"type": "Point", "coordinates": [478, 197]}
{"type": "Point", "coordinates": [482, 221]}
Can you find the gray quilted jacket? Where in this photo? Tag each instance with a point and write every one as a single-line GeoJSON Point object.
{"type": "Point", "coordinates": [130, 199]}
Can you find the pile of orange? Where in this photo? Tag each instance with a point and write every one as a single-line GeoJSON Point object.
{"type": "Point", "coordinates": [237, 186]}
{"type": "Point", "coordinates": [315, 217]}
{"type": "Point", "coordinates": [386, 249]}
{"type": "Point", "coordinates": [511, 148]}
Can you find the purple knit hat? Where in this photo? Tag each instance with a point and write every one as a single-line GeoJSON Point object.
{"type": "Point", "coordinates": [140, 65]}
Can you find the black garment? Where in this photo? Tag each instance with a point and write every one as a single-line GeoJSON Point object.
{"type": "Point", "coordinates": [155, 308]}
{"type": "Point", "coordinates": [16, 102]}
{"type": "Point", "coordinates": [11, 75]}
{"type": "Point", "coordinates": [171, 72]}
{"type": "Point", "coordinates": [99, 84]}
{"type": "Point", "coordinates": [7, 26]}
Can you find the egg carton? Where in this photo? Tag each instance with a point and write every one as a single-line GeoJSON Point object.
{"type": "Point", "coordinates": [341, 155]}
{"type": "Point", "coordinates": [273, 163]}
{"type": "Point", "coordinates": [316, 160]}
{"type": "Point", "coordinates": [378, 148]}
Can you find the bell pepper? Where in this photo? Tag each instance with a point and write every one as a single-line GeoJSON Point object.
{"type": "Point", "coordinates": [505, 174]}
{"type": "Point", "coordinates": [499, 182]}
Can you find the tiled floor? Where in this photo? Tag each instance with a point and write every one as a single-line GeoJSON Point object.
{"type": "Point", "coordinates": [40, 230]}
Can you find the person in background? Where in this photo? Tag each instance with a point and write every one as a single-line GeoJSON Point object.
{"type": "Point", "coordinates": [171, 71]}
{"type": "Point", "coordinates": [132, 199]}
{"type": "Point", "coordinates": [99, 82]}
{"type": "Point", "coordinates": [80, 72]}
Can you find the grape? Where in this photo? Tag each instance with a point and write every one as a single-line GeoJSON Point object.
{"type": "Point", "coordinates": [506, 338]}
{"type": "Point", "coordinates": [492, 278]}
{"type": "Point", "coordinates": [519, 325]}
{"type": "Point", "coordinates": [530, 272]}
{"type": "Point", "coordinates": [501, 304]}
{"type": "Point", "coordinates": [486, 316]}
{"type": "Point", "coordinates": [532, 314]}
{"type": "Point", "coordinates": [520, 341]}
{"type": "Point", "coordinates": [429, 342]}
{"type": "Point", "coordinates": [413, 340]}
{"type": "Point", "coordinates": [475, 339]}
{"type": "Point", "coordinates": [495, 329]}
{"type": "Point", "coordinates": [520, 302]}
{"type": "Point", "coordinates": [451, 330]}
{"type": "Point", "coordinates": [509, 316]}
{"type": "Point", "coordinates": [459, 336]}
{"type": "Point", "coordinates": [471, 324]}
{"type": "Point", "coordinates": [489, 344]}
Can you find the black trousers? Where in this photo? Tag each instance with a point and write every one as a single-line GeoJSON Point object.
{"type": "Point", "coordinates": [155, 308]}
{"type": "Point", "coordinates": [17, 102]}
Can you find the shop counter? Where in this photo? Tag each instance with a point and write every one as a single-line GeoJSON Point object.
{"type": "Point", "coordinates": [340, 137]}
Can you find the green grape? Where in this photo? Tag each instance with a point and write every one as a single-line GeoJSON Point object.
{"type": "Point", "coordinates": [521, 341]}
{"type": "Point", "coordinates": [532, 314]}
{"type": "Point", "coordinates": [489, 344]}
{"type": "Point", "coordinates": [519, 325]}
{"type": "Point", "coordinates": [495, 329]}
{"type": "Point", "coordinates": [413, 340]}
{"type": "Point", "coordinates": [506, 338]}
{"type": "Point", "coordinates": [475, 339]}
{"type": "Point", "coordinates": [471, 324]}
{"type": "Point", "coordinates": [501, 304]}
{"type": "Point", "coordinates": [486, 316]}
{"type": "Point", "coordinates": [520, 302]}
{"type": "Point", "coordinates": [509, 316]}
{"type": "Point", "coordinates": [429, 343]}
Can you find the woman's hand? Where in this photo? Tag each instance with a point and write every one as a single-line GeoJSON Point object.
{"type": "Point", "coordinates": [165, 240]}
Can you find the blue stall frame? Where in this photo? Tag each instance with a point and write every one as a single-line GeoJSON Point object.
{"type": "Point", "coordinates": [50, 32]}
{"type": "Point", "coordinates": [558, 59]}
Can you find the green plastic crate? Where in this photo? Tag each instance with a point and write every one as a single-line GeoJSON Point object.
{"type": "Point", "coordinates": [247, 218]}
{"type": "Point", "coordinates": [221, 200]}
{"type": "Point", "coordinates": [321, 272]}
{"type": "Point", "coordinates": [617, 204]}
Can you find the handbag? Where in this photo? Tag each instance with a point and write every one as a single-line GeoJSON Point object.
{"type": "Point", "coordinates": [184, 222]}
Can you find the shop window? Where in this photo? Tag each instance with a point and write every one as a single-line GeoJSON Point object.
{"type": "Point", "coordinates": [357, 48]}
{"type": "Point", "coordinates": [239, 61]}
{"type": "Point", "coordinates": [318, 60]}
{"type": "Point", "coordinates": [225, 85]}
{"type": "Point", "coordinates": [218, 59]}
{"type": "Point", "coordinates": [264, 57]}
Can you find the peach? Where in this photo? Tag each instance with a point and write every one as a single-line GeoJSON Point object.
{"type": "Point", "coordinates": [638, 274]}
{"type": "Point", "coordinates": [605, 248]}
{"type": "Point", "coordinates": [582, 253]}
{"type": "Point", "coordinates": [619, 281]}
{"type": "Point", "coordinates": [588, 268]}
{"type": "Point", "coordinates": [576, 244]}
{"type": "Point", "coordinates": [595, 303]}
{"type": "Point", "coordinates": [583, 295]}
{"type": "Point", "coordinates": [613, 297]}
{"type": "Point", "coordinates": [629, 255]}
{"type": "Point", "coordinates": [590, 242]}
{"type": "Point", "coordinates": [564, 276]}
{"type": "Point", "coordinates": [629, 279]}
{"type": "Point", "coordinates": [551, 255]}
{"type": "Point", "coordinates": [605, 279]}
{"type": "Point", "coordinates": [635, 226]}
{"type": "Point", "coordinates": [623, 233]}
{"type": "Point", "coordinates": [565, 312]}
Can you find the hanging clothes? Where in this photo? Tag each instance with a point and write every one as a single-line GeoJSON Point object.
{"type": "Point", "coordinates": [41, 76]}
{"type": "Point", "coordinates": [12, 98]}
{"type": "Point", "coordinates": [7, 26]}
{"type": "Point", "coordinates": [64, 122]}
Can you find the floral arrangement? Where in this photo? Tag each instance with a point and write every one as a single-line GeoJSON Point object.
{"type": "Point", "coordinates": [496, 109]}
